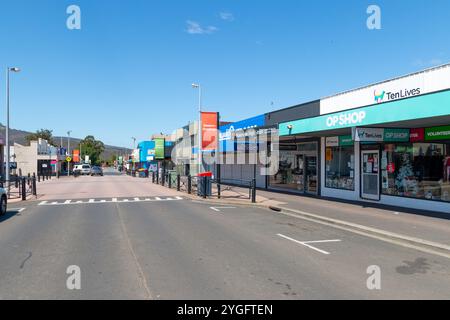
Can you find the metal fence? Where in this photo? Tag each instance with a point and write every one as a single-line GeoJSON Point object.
{"type": "Point", "coordinates": [20, 187]}
{"type": "Point", "coordinates": [195, 185]}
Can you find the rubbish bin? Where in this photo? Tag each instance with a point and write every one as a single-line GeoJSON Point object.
{"type": "Point", "coordinates": [204, 185]}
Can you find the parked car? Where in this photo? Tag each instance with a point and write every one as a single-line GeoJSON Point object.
{"type": "Point", "coordinates": [96, 171]}
{"type": "Point", "coordinates": [3, 201]}
{"type": "Point", "coordinates": [82, 169]}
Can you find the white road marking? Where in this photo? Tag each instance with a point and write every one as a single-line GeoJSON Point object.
{"type": "Point", "coordinates": [217, 209]}
{"type": "Point", "coordinates": [114, 200]}
{"type": "Point", "coordinates": [307, 243]}
{"type": "Point", "coordinates": [21, 210]}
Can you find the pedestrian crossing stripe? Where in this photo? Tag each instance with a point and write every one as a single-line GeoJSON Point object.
{"type": "Point", "coordinates": [113, 200]}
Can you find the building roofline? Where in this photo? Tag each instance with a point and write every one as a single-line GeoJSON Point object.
{"type": "Point", "coordinates": [445, 65]}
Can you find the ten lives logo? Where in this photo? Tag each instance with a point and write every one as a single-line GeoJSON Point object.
{"type": "Point", "coordinates": [383, 96]}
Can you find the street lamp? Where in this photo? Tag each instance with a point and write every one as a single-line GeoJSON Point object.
{"type": "Point", "coordinates": [134, 147]}
{"type": "Point", "coordinates": [199, 87]}
{"type": "Point", "coordinates": [8, 70]}
{"type": "Point", "coordinates": [68, 151]}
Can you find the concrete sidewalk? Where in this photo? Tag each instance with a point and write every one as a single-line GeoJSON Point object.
{"type": "Point", "coordinates": [416, 224]}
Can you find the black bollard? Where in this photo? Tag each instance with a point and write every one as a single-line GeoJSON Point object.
{"type": "Point", "coordinates": [254, 191]}
{"type": "Point", "coordinates": [24, 191]}
{"type": "Point", "coordinates": [34, 186]}
{"type": "Point", "coordinates": [189, 184]}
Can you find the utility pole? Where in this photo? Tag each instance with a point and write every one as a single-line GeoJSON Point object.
{"type": "Point", "coordinates": [68, 152]}
{"type": "Point", "coordinates": [7, 177]}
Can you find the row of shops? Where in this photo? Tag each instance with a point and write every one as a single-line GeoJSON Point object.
{"type": "Point", "coordinates": [150, 156]}
{"type": "Point", "coordinates": [387, 143]}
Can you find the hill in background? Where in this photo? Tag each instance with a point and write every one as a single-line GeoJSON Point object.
{"type": "Point", "coordinates": [18, 136]}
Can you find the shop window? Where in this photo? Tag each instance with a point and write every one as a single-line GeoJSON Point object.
{"type": "Point", "coordinates": [340, 168]}
{"type": "Point", "coordinates": [417, 170]}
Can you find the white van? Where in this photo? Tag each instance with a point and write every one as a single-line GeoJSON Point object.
{"type": "Point", "coordinates": [83, 169]}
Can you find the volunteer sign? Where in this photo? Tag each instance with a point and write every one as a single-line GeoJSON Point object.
{"type": "Point", "coordinates": [437, 133]}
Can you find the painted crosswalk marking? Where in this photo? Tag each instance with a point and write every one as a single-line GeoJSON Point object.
{"type": "Point", "coordinates": [112, 200]}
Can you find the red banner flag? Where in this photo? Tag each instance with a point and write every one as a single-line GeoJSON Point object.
{"type": "Point", "coordinates": [210, 128]}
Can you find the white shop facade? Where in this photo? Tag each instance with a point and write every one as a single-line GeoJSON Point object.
{"type": "Point", "coordinates": [386, 143]}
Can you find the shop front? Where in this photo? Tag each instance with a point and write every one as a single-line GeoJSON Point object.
{"type": "Point", "coordinates": [298, 167]}
{"type": "Point", "coordinates": [414, 167]}
{"type": "Point", "coordinates": [394, 153]}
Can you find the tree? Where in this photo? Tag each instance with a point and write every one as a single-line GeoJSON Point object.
{"type": "Point", "coordinates": [44, 134]}
{"type": "Point", "coordinates": [92, 148]}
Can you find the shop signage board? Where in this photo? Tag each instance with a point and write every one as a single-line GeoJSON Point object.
{"type": "Point", "coordinates": [346, 141]}
{"type": "Point", "coordinates": [417, 135]}
{"type": "Point", "coordinates": [159, 148]}
{"type": "Point", "coordinates": [396, 135]}
{"type": "Point", "coordinates": [427, 106]}
{"type": "Point", "coordinates": [437, 133]}
{"type": "Point", "coordinates": [76, 155]}
{"type": "Point", "coordinates": [368, 134]}
{"type": "Point", "coordinates": [226, 132]}
{"type": "Point", "coordinates": [410, 86]}
{"type": "Point", "coordinates": [210, 128]}
{"type": "Point", "coordinates": [341, 141]}
{"type": "Point", "coordinates": [332, 142]}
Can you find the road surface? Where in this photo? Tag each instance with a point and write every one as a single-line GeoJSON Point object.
{"type": "Point", "coordinates": [145, 242]}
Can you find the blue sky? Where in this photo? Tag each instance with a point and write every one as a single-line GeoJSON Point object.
{"type": "Point", "coordinates": [128, 71]}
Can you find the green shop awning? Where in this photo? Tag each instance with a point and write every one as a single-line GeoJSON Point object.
{"type": "Point", "coordinates": [426, 106]}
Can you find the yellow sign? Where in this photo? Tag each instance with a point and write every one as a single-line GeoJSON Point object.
{"type": "Point", "coordinates": [69, 159]}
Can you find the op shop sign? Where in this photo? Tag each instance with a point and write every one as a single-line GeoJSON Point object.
{"type": "Point", "coordinates": [346, 119]}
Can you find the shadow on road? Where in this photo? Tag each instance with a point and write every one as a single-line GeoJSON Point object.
{"type": "Point", "coordinates": [10, 214]}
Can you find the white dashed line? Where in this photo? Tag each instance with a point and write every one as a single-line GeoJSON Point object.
{"type": "Point", "coordinates": [103, 201]}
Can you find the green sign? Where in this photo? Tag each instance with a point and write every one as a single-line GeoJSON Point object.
{"type": "Point", "coordinates": [159, 149]}
{"type": "Point", "coordinates": [427, 106]}
{"type": "Point", "coordinates": [437, 133]}
{"type": "Point", "coordinates": [345, 141]}
{"type": "Point", "coordinates": [396, 135]}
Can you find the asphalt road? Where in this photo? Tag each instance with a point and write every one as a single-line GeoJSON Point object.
{"type": "Point", "coordinates": [169, 248]}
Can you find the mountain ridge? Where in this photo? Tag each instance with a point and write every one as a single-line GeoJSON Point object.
{"type": "Point", "coordinates": [18, 136]}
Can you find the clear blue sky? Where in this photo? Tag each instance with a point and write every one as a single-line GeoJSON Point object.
{"type": "Point", "coordinates": [128, 71]}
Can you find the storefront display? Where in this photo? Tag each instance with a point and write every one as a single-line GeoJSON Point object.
{"type": "Point", "coordinates": [417, 170]}
{"type": "Point", "coordinates": [340, 163]}
{"type": "Point", "coordinates": [298, 168]}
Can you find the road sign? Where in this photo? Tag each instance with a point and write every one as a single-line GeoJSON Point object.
{"type": "Point", "coordinates": [69, 159]}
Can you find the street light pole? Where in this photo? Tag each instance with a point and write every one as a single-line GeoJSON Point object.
{"type": "Point", "coordinates": [199, 87]}
{"type": "Point", "coordinates": [68, 151]}
{"type": "Point", "coordinates": [7, 177]}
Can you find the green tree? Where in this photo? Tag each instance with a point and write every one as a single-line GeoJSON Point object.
{"type": "Point", "coordinates": [45, 134]}
{"type": "Point", "coordinates": [92, 148]}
